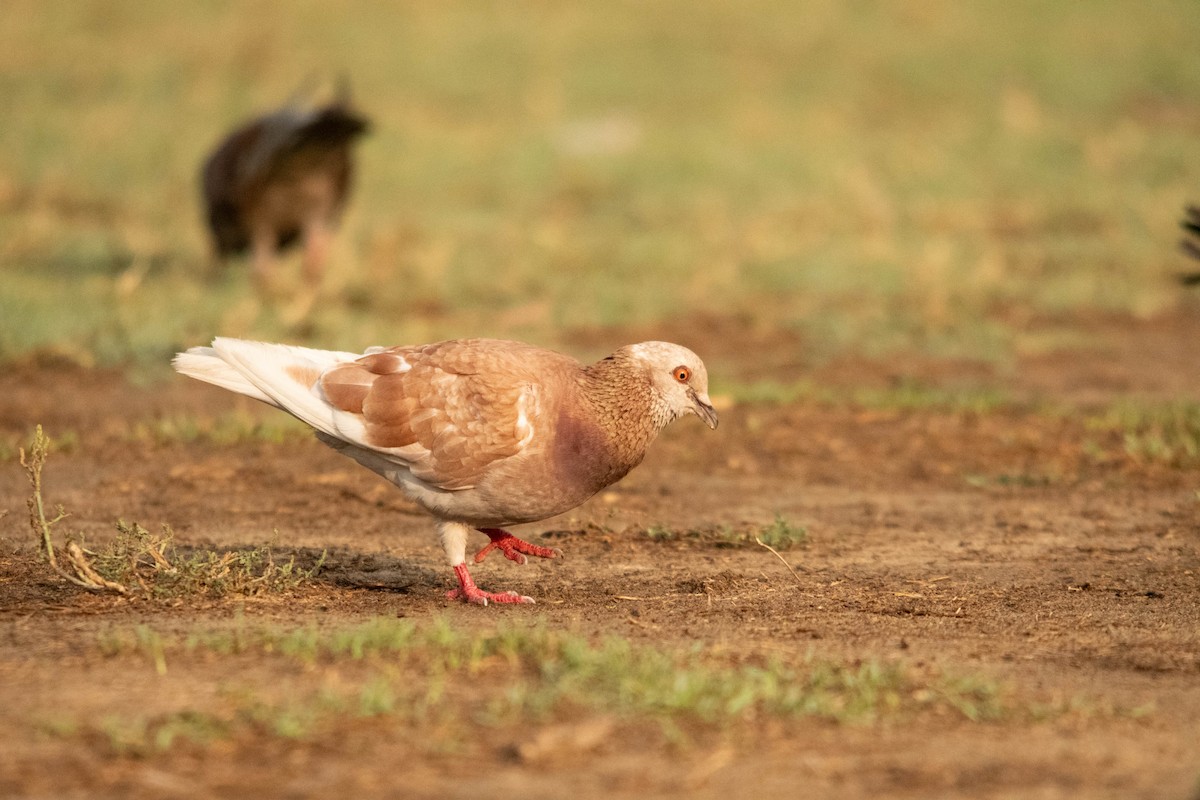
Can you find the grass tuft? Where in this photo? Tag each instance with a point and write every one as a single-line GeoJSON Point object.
{"type": "Point", "coordinates": [138, 562]}
{"type": "Point", "coordinates": [781, 534]}
{"type": "Point", "coordinates": [1164, 433]}
{"type": "Point", "coordinates": [232, 428]}
{"type": "Point", "coordinates": [400, 670]}
{"type": "Point", "coordinates": [151, 562]}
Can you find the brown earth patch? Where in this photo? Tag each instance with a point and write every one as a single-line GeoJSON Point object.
{"type": "Point", "coordinates": [1013, 544]}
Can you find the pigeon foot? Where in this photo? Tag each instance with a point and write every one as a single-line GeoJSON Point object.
{"type": "Point", "coordinates": [514, 549]}
{"type": "Point", "coordinates": [470, 593]}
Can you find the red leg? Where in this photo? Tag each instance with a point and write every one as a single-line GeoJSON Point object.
{"type": "Point", "coordinates": [262, 249]}
{"type": "Point", "coordinates": [514, 549]}
{"type": "Point", "coordinates": [471, 593]}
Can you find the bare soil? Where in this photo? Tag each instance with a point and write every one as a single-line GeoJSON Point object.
{"type": "Point", "coordinates": [1016, 544]}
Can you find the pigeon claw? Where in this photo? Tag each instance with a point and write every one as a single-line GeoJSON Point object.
{"type": "Point", "coordinates": [481, 598]}
{"type": "Point", "coordinates": [514, 549]}
{"type": "Point", "coordinates": [468, 592]}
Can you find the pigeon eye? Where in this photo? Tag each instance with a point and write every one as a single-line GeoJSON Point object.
{"type": "Point", "coordinates": [682, 374]}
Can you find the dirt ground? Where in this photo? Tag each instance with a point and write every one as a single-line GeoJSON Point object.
{"type": "Point", "coordinates": [1013, 544]}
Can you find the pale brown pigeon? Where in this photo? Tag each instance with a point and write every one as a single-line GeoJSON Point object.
{"type": "Point", "coordinates": [481, 433]}
{"type": "Point", "coordinates": [280, 179]}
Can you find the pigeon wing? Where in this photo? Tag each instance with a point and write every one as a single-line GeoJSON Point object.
{"type": "Point", "coordinates": [446, 411]}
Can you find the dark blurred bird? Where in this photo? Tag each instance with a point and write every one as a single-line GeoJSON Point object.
{"type": "Point", "coordinates": [1190, 243]}
{"type": "Point", "coordinates": [281, 179]}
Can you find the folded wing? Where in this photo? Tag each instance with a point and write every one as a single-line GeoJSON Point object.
{"type": "Point", "coordinates": [445, 411]}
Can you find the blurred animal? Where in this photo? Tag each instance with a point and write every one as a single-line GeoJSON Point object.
{"type": "Point", "coordinates": [481, 433]}
{"type": "Point", "coordinates": [1190, 243]}
{"type": "Point", "coordinates": [280, 179]}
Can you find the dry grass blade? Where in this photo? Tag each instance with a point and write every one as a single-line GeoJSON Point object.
{"type": "Point", "coordinates": [83, 568]}
{"type": "Point", "coordinates": [32, 464]}
{"type": "Point", "coordinates": [761, 543]}
{"type": "Point", "coordinates": [147, 564]}
{"type": "Point", "coordinates": [82, 573]}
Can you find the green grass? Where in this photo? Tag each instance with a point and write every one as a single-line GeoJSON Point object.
{"type": "Point", "coordinates": [1160, 433]}
{"type": "Point", "coordinates": [1021, 480]}
{"type": "Point", "coordinates": [404, 671]}
{"type": "Point", "coordinates": [907, 395]}
{"type": "Point", "coordinates": [878, 177]}
{"type": "Point", "coordinates": [229, 428]}
{"type": "Point", "coordinates": [780, 533]}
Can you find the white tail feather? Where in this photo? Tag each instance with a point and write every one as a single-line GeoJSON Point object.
{"type": "Point", "coordinates": [203, 364]}
{"type": "Point", "coordinates": [281, 375]}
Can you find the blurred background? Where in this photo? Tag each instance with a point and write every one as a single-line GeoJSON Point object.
{"type": "Point", "coordinates": [946, 179]}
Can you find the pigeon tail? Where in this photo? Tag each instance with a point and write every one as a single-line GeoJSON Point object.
{"type": "Point", "coordinates": [280, 375]}
{"type": "Point", "coordinates": [203, 364]}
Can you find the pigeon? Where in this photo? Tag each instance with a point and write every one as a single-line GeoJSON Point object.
{"type": "Point", "coordinates": [280, 179]}
{"type": "Point", "coordinates": [1190, 244]}
{"type": "Point", "coordinates": [481, 433]}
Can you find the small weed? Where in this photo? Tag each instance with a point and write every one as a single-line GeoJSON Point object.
{"type": "Point", "coordinates": [377, 697]}
{"type": "Point", "coordinates": [294, 719]}
{"type": "Point", "coordinates": [1166, 434]}
{"type": "Point", "coordinates": [375, 637]}
{"type": "Point", "coordinates": [783, 535]}
{"type": "Point", "coordinates": [59, 725]}
{"type": "Point", "coordinates": [661, 533]}
{"type": "Point", "coordinates": [150, 642]}
{"type": "Point", "coordinates": [147, 564]}
{"type": "Point", "coordinates": [975, 698]}
{"type": "Point", "coordinates": [1007, 480]}
{"type": "Point", "coordinates": [125, 734]}
{"type": "Point", "coordinates": [141, 736]}
{"type": "Point", "coordinates": [780, 534]}
{"type": "Point", "coordinates": [150, 565]}
{"type": "Point", "coordinates": [78, 570]}
{"type": "Point", "coordinates": [241, 572]}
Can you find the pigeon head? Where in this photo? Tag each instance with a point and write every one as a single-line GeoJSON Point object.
{"type": "Point", "coordinates": [678, 377]}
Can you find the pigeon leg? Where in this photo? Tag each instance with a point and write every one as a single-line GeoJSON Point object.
{"type": "Point", "coordinates": [262, 254]}
{"type": "Point", "coordinates": [471, 593]}
{"type": "Point", "coordinates": [514, 549]}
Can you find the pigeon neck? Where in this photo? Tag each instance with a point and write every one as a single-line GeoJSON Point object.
{"type": "Point", "coordinates": [625, 405]}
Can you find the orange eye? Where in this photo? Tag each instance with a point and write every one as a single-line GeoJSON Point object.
{"type": "Point", "coordinates": [682, 374]}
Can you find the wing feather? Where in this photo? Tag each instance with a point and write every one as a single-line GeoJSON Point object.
{"type": "Point", "coordinates": [446, 411]}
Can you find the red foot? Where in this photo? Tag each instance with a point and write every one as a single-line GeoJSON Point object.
{"type": "Point", "coordinates": [471, 593]}
{"type": "Point", "coordinates": [514, 549]}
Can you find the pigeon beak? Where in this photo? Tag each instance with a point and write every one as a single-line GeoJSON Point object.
{"type": "Point", "coordinates": [704, 410]}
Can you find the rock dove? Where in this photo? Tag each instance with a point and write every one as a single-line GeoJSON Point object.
{"type": "Point", "coordinates": [481, 433]}
{"type": "Point", "coordinates": [1191, 242]}
{"type": "Point", "coordinates": [279, 179]}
